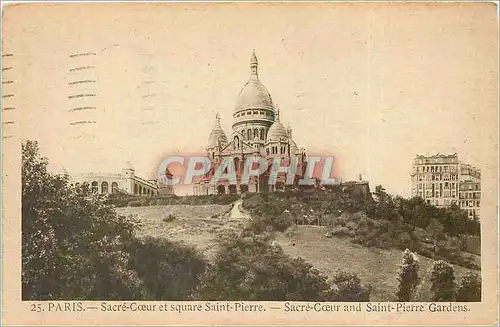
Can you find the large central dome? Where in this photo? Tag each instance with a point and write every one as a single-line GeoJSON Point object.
{"type": "Point", "coordinates": [254, 94]}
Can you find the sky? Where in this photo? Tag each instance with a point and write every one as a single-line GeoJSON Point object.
{"type": "Point", "coordinates": [372, 84]}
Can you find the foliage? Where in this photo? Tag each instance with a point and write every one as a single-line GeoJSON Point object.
{"type": "Point", "coordinates": [442, 282]}
{"type": "Point", "coordinates": [408, 277]}
{"type": "Point", "coordinates": [170, 271]}
{"type": "Point", "coordinates": [347, 287]}
{"type": "Point", "coordinates": [120, 199]}
{"type": "Point", "coordinates": [252, 267]}
{"type": "Point", "coordinates": [73, 245]}
{"type": "Point", "coordinates": [384, 221]}
{"type": "Point", "coordinates": [168, 218]}
{"type": "Point", "coordinates": [470, 288]}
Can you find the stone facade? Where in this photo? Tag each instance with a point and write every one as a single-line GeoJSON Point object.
{"type": "Point", "coordinates": [442, 180]}
{"type": "Point", "coordinates": [127, 182]}
{"type": "Point", "coordinates": [256, 131]}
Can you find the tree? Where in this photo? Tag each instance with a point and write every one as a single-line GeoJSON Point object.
{"type": "Point", "coordinates": [347, 287]}
{"type": "Point", "coordinates": [170, 271]}
{"type": "Point", "coordinates": [470, 288]}
{"type": "Point", "coordinates": [252, 269]}
{"type": "Point", "coordinates": [435, 230]}
{"type": "Point", "coordinates": [73, 245]}
{"type": "Point", "coordinates": [381, 195]}
{"type": "Point", "coordinates": [408, 277]}
{"type": "Point", "coordinates": [442, 282]}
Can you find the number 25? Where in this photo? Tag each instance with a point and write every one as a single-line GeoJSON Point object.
{"type": "Point", "coordinates": [36, 307]}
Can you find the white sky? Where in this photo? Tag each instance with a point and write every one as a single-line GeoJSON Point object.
{"type": "Point", "coordinates": [373, 84]}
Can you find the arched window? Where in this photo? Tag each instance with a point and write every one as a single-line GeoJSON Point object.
{"type": "Point", "coordinates": [135, 189]}
{"type": "Point", "coordinates": [221, 189]}
{"type": "Point", "coordinates": [236, 142]}
{"type": "Point", "coordinates": [104, 187]}
{"type": "Point", "coordinates": [114, 187]}
{"type": "Point", "coordinates": [262, 134]}
{"type": "Point", "coordinates": [249, 134]}
{"type": "Point", "coordinates": [140, 189]}
{"type": "Point", "coordinates": [255, 133]}
{"type": "Point", "coordinates": [95, 187]}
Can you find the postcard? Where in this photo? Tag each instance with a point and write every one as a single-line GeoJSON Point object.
{"type": "Point", "coordinates": [250, 163]}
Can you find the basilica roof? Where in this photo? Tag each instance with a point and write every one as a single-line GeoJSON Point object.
{"type": "Point", "coordinates": [254, 94]}
{"type": "Point", "coordinates": [277, 131]}
{"type": "Point", "coordinates": [217, 135]}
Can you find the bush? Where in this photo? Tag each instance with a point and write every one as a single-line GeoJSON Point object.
{"type": "Point", "coordinates": [389, 222]}
{"type": "Point", "coordinates": [251, 269]}
{"type": "Point", "coordinates": [169, 218]}
{"type": "Point", "coordinates": [442, 282]}
{"type": "Point", "coordinates": [120, 199]}
{"type": "Point", "coordinates": [347, 287]}
{"type": "Point", "coordinates": [338, 231]}
{"type": "Point", "coordinates": [408, 277]}
{"type": "Point", "coordinates": [73, 243]}
{"type": "Point", "coordinates": [135, 203]}
{"type": "Point", "coordinates": [470, 288]}
{"type": "Point", "coordinates": [170, 271]}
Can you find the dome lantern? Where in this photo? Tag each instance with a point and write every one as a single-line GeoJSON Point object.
{"type": "Point", "coordinates": [254, 66]}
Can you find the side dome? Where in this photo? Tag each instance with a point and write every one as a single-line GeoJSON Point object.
{"type": "Point", "coordinates": [254, 94]}
{"type": "Point", "coordinates": [277, 131]}
{"type": "Point", "coordinates": [217, 135]}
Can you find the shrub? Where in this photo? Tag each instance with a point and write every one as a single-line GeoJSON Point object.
{"type": "Point", "coordinates": [135, 203]}
{"type": "Point", "coordinates": [73, 243]}
{"type": "Point", "coordinates": [169, 218]}
{"type": "Point", "coordinates": [250, 268]}
{"type": "Point", "coordinates": [408, 277]}
{"type": "Point", "coordinates": [347, 287]}
{"type": "Point", "coordinates": [170, 271]}
{"type": "Point", "coordinates": [442, 282]}
{"type": "Point", "coordinates": [470, 288]}
{"type": "Point", "coordinates": [338, 231]}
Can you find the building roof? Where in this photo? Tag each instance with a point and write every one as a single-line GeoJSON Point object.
{"type": "Point", "coordinates": [277, 131]}
{"type": "Point", "coordinates": [217, 135]}
{"type": "Point", "coordinates": [254, 94]}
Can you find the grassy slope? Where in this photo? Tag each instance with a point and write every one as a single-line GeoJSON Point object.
{"type": "Point", "coordinates": [195, 226]}
{"type": "Point", "coordinates": [375, 266]}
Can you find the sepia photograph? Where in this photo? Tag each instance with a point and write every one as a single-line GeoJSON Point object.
{"type": "Point", "coordinates": [250, 163]}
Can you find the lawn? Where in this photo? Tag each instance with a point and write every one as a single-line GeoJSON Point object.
{"type": "Point", "coordinates": [198, 226]}
{"type": "Point", "coordinates": [375, 266]}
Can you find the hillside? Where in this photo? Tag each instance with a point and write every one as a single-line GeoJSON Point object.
{"type": "Point", "coordinates": [375, 266]}
{"type": "Point", "coordinates": [200, 226]}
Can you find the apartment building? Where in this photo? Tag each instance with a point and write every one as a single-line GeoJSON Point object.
{"type": "Point", "coordinates": [443, 180]}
